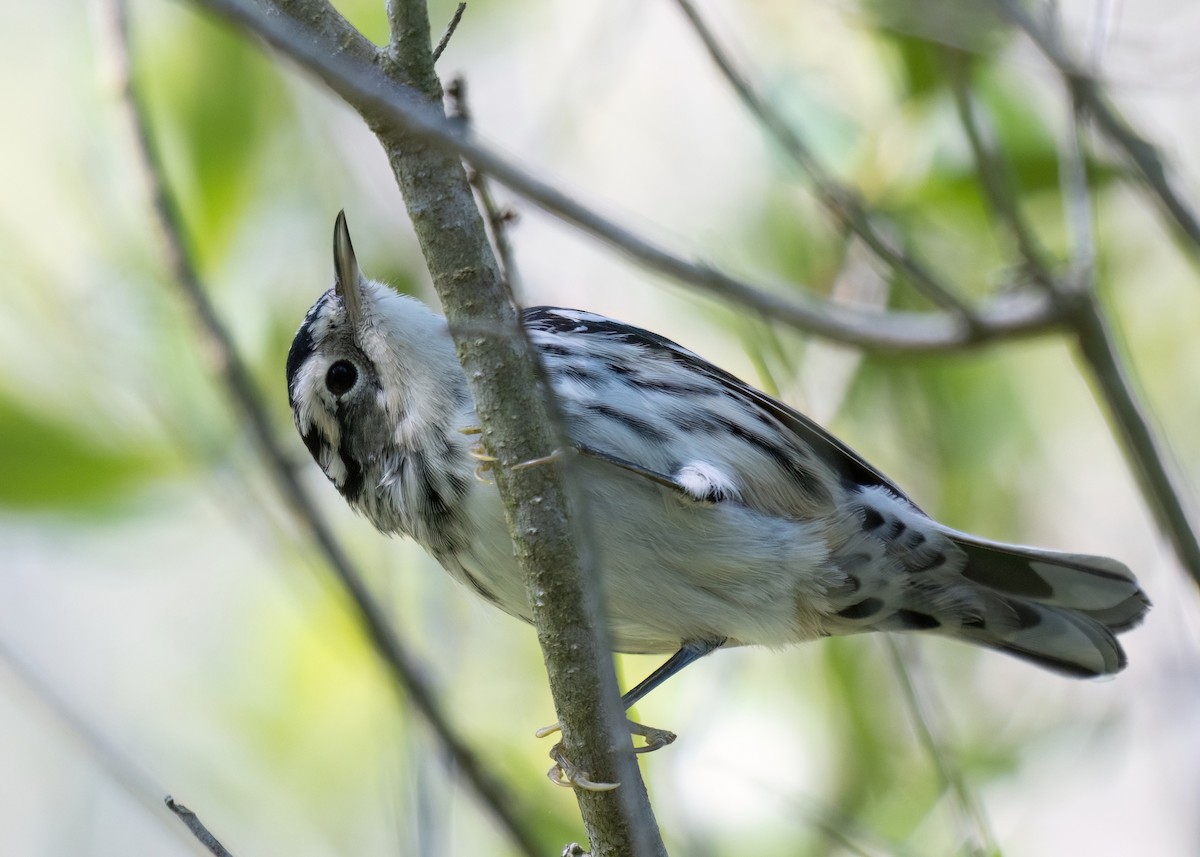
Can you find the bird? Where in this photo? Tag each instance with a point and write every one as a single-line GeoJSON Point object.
{"type": "Point", "coordinates": [722, 516]}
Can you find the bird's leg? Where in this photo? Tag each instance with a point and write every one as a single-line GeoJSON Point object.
{"type": "Point", "coordinates": [566, 774]}
{"type": "Point", "coordinates": [534, 462]}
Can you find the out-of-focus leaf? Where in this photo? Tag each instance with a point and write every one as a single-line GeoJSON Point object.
{"type": "Point", "coordinates": [962, 426]}
{"type": "Point", "coordinates": [49, 465]}
{"type": "Point", "coordinates": [797, 241]}
{"type": "Point", "coordinates": [884, 780]}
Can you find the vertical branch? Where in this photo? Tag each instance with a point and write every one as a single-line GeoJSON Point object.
{"type": "Point", "coordinates": [519, 427]}
{"type": "Point", "coordinates": [235, 376]}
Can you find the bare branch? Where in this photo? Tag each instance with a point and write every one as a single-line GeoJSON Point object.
{"type": "Point", "coordinates": [1088, 93]}
{"type": "Point", "coordinates": [450, 28]}
{"type": "Point", "coordinates": [235, 377]}
{"type": "Point", "coordinates": [400, 108]}
{"type": "Point", "coordinates": [1150, 462]}
{"type": "Point", "coordinates": [840, 201]}
{"type": "Point", "coordinates": [498, 219]}
{"type": "Point", "coordinates": [519, 425]}
{"type": "Point", "coordinates": [196, 826]}
{"type": "Point", "coordinates": [993, 172]}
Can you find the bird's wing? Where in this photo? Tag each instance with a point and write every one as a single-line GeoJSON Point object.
{"type": "Point", "coordinates": [640, 398]}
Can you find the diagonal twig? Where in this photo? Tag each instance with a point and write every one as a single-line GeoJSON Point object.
{"type": "Point", "coordinates": [498, 218]}
{"type": "Point", "coordinates": [235, 377]}
{"type": "Point", "coordinates": [196, 826]}
{"type": "Point", "coordinates": [450, 28]}
{"type": "Point", "coordinates": [840, 201]}
{"type": "Point", "coordinates": [995, 177]}
{"type": "Point", "coordinates": [343, 61]}
{"type": "Point", "coordinates": [1149, 460]}
{"type": "Point", "coordinates": [1089, 95]}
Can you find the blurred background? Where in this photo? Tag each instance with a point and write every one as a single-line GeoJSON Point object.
{"type": "Point", "coordinates": [153, 585]}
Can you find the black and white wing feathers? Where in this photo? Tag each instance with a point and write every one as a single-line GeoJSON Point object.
{"type": "Point", "coordinates": [654, 408]}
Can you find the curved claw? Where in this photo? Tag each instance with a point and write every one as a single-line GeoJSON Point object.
{"type": "Point", "coordinates": [564, 773]}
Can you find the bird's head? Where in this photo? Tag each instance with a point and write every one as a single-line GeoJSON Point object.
{"type": "Point", "coordinates": [372, 377]}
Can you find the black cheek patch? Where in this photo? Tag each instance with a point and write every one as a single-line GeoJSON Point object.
{"type": "Point", "coordinates": [352, 487]}
{"type": "Point", "coordinates": [314, 441]}
{"type": "Point", "coordinates": [302, 348]}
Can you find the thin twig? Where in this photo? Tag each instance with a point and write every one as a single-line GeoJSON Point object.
{"type": "Point", "coordinates": [546, 516]}
{"type": "Point", "coordinates": [196, 826]}
{"type": "Point", "coordinates": [840, 201]}
{"type": "Point", "coordinates": [402, 666]}
{"type": "Point", "coordinates": [1150, 462]}
{"type": "Point", "coordinates": [339, 60]}
{"type": "Point", "coordinates": [123, 768]}
{"type": "Point", "coordinates": [450, 28]}
{"type": "Point", "coordinates": [927, 718]}
{"type": "Point", "coordinates": [498, 219]}
{"type": "Point", "coordinates": [997, 180]}
{"type": "Point", "coordinates": [1077, 208]}
{"type": "Point", "coordinates": [1088, 93]}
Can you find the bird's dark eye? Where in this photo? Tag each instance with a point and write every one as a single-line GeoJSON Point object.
{"type": "Point", "coordinates": [341, 377]}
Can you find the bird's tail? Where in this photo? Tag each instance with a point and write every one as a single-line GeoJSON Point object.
{"type": "Point", "coordinates": [1060, 611]}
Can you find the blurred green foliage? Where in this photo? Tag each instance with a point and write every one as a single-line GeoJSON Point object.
{"type": "Point", "coordinates": [260, 162]}
{"type": "Point", "coordinates": [51, 464]}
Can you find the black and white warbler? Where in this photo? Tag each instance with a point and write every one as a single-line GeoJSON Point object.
{"type": "Point", "coordinates": [724, 517]}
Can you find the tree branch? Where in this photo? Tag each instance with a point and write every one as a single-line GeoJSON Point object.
{"type": "Point", "coordinates": [401, 665]}
{"type": "Point", "coordinates": [398, 109]}
{"type": "Point", "coordinates": [995, 177]}
{"type": "Point", "coordinates": [1087, 92]}
{"type": "Point", "coordinates": [518, 426]}
{"type": "Point", "coordinates": [1149, 461]}
{"type": "Point", "coordinates": [840, 201]}
{"type": "Point", "coordinates": [196, 826]}
{"type": "Point", "coordinates": [449, 34]}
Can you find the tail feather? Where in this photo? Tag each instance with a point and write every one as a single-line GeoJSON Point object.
{"type": "Point", "coordinates": [1060, 611]}
{"type": "Point", "coordinates": [904, 572]}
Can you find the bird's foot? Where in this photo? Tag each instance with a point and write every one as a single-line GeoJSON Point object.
{"type": "Point", "coordinates": [656, 739]}
{"type": "Point", "coordinates": [479, 452]}
{"type": "Point", "coordinates": [564, 773]}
